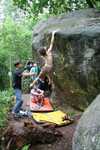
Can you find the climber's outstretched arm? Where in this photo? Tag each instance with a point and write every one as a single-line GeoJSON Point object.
{"type": "Point", "coordinates": [52, 41]}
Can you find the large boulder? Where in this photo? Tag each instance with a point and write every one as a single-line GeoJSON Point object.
{"type": "Point", "coordinates": [87, 134]}
{"type": "Point", "coordinates": [76, 55]}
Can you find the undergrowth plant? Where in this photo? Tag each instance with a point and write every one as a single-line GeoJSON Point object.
{"type": "Point", "coordinates": [5, 104]}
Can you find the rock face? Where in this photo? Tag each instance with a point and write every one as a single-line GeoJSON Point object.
{"type": "Point", "coordinates": [76, 55]}
{"type": "Point", "coordinates": [87, 134]}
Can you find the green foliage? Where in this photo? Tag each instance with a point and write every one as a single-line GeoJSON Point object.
{"type": "Point", "coordinates": [26, 147]}
{"type": "Point", "coordinates": [53, 6]}
{"type": "Point", "coordinates": [4, 80]}
{"type": "Point", "coordinates": [93, 3]}
{"type": "Point", "coordinates": [36, 7]}
{"type": "Point", "coordinates": [5, 103]}
{"type": "Point", "coordinates": [97, 4]}
{"type": "Point", "coordinates": [15, 39]}
{"type": "Point", "coordinates": [15, 43]}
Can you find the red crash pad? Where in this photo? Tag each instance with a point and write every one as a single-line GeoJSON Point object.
{"type": "Point", "coordinates": [46, 105]}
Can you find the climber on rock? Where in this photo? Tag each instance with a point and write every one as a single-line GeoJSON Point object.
{"type": "Point", "coordinates": [48, 59]}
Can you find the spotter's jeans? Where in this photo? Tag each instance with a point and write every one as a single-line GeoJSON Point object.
{"type": "Point", "coordinates": [19, 102]}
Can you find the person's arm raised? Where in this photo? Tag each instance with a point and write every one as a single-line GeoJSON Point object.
{"type": "Point", "coordinates": [35, 81]}
{"type": "Point", "coordinates": [26, 74]}
{"type": "Point", "coordinates": [52, 41]}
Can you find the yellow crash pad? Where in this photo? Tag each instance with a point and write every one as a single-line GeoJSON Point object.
{"type": "Point", "coordinates": [55, 117]}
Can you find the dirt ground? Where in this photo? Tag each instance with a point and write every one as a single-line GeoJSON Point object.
{"type": "Point", "coordinates": [42, 138]}
{"type": "Point", "coordinates": [65, 143]}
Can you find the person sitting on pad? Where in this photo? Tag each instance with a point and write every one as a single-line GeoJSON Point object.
{"type": "Point", "coordinates": [37, 96]}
